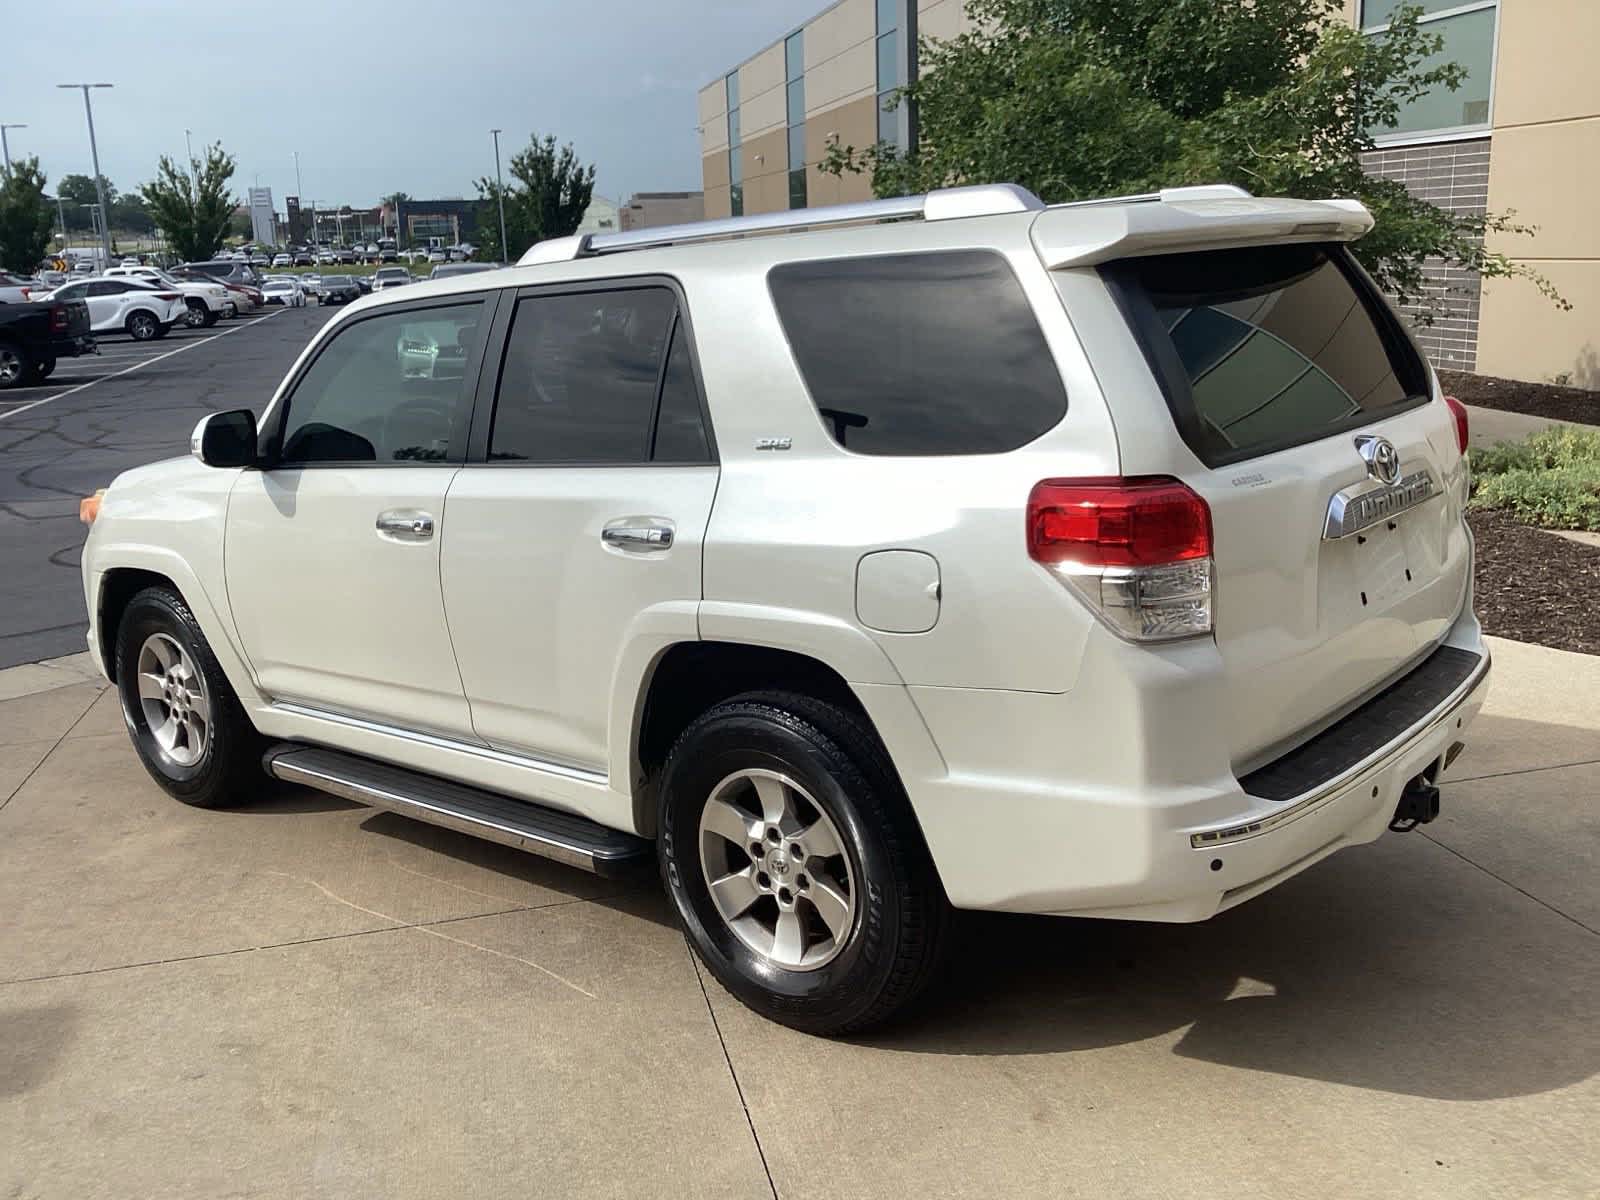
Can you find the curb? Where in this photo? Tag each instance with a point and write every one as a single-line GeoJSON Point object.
{"type": "Point", "coordinates": [47, 675]}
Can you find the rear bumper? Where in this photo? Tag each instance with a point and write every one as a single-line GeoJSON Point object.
{"type": "Point", "coordinates": [1137, 832]}
{"type": "Point", "coordinates": [73, 345]}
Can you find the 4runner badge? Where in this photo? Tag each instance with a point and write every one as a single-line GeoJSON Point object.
{"type": "Point", "coordinates": [774, 443]}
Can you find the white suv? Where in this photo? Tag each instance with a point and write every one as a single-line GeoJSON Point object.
{"type": "Point", "coordinates": [1099, 559]}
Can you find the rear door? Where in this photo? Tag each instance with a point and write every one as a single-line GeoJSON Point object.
{"type": "Point", "coordinates": [1332, 473]}
{"type": "Point", "coordinates": [575, 532]}
{"type": "Point", "coordinates": [107, 300]}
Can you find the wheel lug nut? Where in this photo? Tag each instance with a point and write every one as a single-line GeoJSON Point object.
{"type": "Point", "coordinates": [796, 852]}
{"type": "Point", "coordinates": [774, 836]}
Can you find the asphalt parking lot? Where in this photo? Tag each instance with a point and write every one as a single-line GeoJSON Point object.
{"type": "Point", "coordinates": [133, 403]}
{"type": "Point", "coordinates": [309, 998]}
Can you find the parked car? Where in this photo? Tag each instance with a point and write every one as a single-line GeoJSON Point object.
{"type": "Point", "coordinates": [370, 251]}
{"type": "Point", "coordinates": [282, 260]}
{"type": "Point", "coordinates": [390, 277]}
{"type": "Point", "coordinates": [438, 256]}
{"type": "Point", "coordinates": [447, 270]}
{"type": "Point", "coordinates": [206, 301]}
{"type": "Point", "coordinates": [303, 257]}
{"type": "Point", "coordinates": [224, 270]}
{"type": "Point", "coordinates": [34, 335]}
{"type": "Point", "coordinates": [311, 284]}
{"type": "Point", "coordinates": [131, 306]}
{"type": "Point", "coordinates": [364, 282]}
{"type": "Point", "coordinates": [835, 605]}
{"type": "Point", "coordinates": [14, 289]}
{"type": "Point", "coordinates": [346, 255]}
{"type": "Point", "coordinates": [339, 289]}
{"type": "Point", "coordinates": [53, 279]}
{"type": "Point", "coordinates": [283, 291]}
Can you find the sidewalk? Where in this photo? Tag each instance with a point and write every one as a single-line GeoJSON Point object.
{"type": "Point", "coordinates": [315, 999]}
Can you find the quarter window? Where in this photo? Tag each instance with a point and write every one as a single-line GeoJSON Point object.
{"type": "Point", "coordinates": [391, 388]}
{"type": "Point", "coordinates": [920, 353]}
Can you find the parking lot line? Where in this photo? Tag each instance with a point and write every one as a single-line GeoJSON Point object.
{"type": "Point", "coordinates": [189, 345]}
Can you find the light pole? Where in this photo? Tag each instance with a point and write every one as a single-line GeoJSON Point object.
{"type": "Point", "coordinates": [500, 195]}
{"type": "Point", "coordinates": [94, 155]}
{"type": "Point", "coordinates": [5, 148]}
{"type": "Point", "coordinates": [189, 146]}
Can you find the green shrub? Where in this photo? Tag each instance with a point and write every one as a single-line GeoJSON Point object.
{"type": "Point", "coordinates": [1551, 478]}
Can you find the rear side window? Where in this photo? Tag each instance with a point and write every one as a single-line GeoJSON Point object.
{"type": "Point", "coordinates": [910, 354]}
{"type": "Point", "coordinates": [1267, 347]}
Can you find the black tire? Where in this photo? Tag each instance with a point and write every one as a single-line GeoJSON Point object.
{"type": "Point", "coordinates": [142, 325]}
{"type": "Point", "coordinates": [16, 365]}
{"type": "Point", "coordinates": [901, 915]}
{"type": "Point", "coordinates": [228, 771]}
{"type": "Point", "coordinates": [196, 315]}
{"type": "Point", "coordinates": [212, 317]}
{"type": "Point", "coordinates": [40, 371]}
{"type": "Point", "coordinates": [163, 330]}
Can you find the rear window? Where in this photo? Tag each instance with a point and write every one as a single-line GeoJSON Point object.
{"type": "Point", "coordinates": [1262, 348]}
{"type": "Point", "coordinates": [920, 353]}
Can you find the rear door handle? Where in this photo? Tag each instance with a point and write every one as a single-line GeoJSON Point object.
{"type": "Point", "coordinates": [638, 533]}
{"type": "Point", "coordinates": [406, 525]}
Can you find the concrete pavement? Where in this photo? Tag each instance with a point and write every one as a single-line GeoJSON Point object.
{"type": "Point", "coordinates": [308, 998]}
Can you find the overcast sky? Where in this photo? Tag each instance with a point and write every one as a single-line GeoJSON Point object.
{"type": "Point", "coordinates": [376, 97]}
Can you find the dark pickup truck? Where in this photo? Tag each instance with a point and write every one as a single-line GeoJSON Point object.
{"type": "Point", "coordinates": [33, 336]}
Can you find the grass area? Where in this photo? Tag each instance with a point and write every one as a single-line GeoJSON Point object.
{"type": "Point", "coordinates": [1551, 478]}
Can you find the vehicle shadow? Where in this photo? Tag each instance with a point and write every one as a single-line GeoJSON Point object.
{"type": "Point", "coordinates": [1367, 970]}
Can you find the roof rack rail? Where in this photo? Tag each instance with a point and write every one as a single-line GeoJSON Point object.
{"type": "Point", "coordinates": [941, 205]}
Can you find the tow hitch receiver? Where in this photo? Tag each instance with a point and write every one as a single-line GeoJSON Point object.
{"type": "Point", "coordinates": [1419, 804]}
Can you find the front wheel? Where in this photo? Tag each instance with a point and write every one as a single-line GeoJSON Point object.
{"type": "Point", "coordinates": [798, 870]}
{"type": "Point", "coordinates": [187, 725]}
{"type": "Point", "coordinates": [195, 314]}
{"type": "Point", "coordinates": [142, 326]}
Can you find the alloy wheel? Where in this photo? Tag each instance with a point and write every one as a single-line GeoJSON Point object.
{"type": "Point", "coordinates": [777, 869]}
{"type": "Point", "coordinates": [11, 366]}
{"type": "Point", "coordinates": [173, 700]}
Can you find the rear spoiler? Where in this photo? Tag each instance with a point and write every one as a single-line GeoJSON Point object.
{"type": "Point", "coordinates": [1197, 218]}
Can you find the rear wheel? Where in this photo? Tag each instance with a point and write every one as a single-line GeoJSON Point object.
{"type": "Point", "coordinates": [40, 371]}
{"type": "Point", "coordinates": [797, 868]}
{"type": "Point", "coordinates": [14, 365]}
{"type": "Point", "coordinates": [142, 326]}
{"type": "Point", "coordinates": [186, 723]}
{"type": "Point", "coordinates": [195, 314]}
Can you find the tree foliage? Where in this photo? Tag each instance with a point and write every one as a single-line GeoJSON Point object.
{"type": "Point", "coordinates": [26, 217]}
{"type": "Point", "coordinates": [1081, 98]}
{"type": "Point", "coordinates": [545, 198]}
{"type": "Point", "coordinates": [193, 211]}
{"type": "Point", "coordinates": [79, 189]}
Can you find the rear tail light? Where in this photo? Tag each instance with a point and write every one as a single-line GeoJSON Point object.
{"type": "Point", "coordinates": [58, 319]}
{"type": "Point", "coordinates": [168, 296]}
{"type": "Point", "coordinates": [1137, 550]}
{"type": "Point", "coordinates": [1458, 410]}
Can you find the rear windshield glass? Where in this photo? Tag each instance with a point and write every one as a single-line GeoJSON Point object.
{"type": "Point", "coordinates": [920, 353]}
{"type": "Point", "coordinates": [1267, 347]}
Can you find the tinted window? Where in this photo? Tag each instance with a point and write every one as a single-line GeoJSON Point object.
{"type": "Point", "coordinates": [1269, 346]}
{"type": "Point", "coordinates": [920, 353]}
{"type": "Point", "coordinates": [107, 287]}
{"type": "Point", "coordinates": [73, 291]}
{"type": "Point", "coordinates": [680, 427]}
{"type": "Point", "coordinates": [392, 388]}
{"type": "Point", "coordinates": [580, 376]}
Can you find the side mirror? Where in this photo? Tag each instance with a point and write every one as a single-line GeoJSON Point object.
{"type": "Point", "coordinates": [226, 439]}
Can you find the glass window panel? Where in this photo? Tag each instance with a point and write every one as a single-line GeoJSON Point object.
{"type": "Point", "coordinates": [1468, 42]}
{"type": "Point", "coordinates": [889, 14]}
{"type": "Point", "coordinates": [735, 166]}
{"type": "Point", "coordinates": [736, 200]}
{"type": "Point", "coordinates": [731, 88]}
{"type": "Point", "coordinates": [797, 102]}
{"type": "Point", "coordinates": [680, 429]}
{"type": "Point", "coordinates": [797, 188]}
{"type": "Point", "coordinates": [889, 68]}
{"type": "Point", "coordinates": [1378, 12]}
{"type": "Point", "coordinates": [794, 56]}
{"type": "Point", "coordinates": [387, 389]}
{"type": "Point", "coordinates": [733, 127]}
{"type": "Point", "coordinates": [797, 145]}
{"type": "Point", "coordinates": [888, 123]}
{"type": "Point", "coordinates": [579, 383]}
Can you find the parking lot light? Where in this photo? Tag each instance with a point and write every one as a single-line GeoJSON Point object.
{"type": "Point", "coordinates": [500, 195]}
{"type": "Point", "coordinates": [5, 147]}
{"type": "Point", "coordinates": [94, 156]}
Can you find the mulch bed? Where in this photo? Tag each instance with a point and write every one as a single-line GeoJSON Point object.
{"type": "Point", "coordinates": [1513, 395]}
{"type": "Point", "coordinates": [1534, 586]}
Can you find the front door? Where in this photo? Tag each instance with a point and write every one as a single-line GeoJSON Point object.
{"type": "Point", "coordinates": [577, 528]}
{"type": "Point", "coordinates": [332, 554]}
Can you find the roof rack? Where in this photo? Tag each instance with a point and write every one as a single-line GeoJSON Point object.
{"type": "Point", "coordinates": [942, 205]}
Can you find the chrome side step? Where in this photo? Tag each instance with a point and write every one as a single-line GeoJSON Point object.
{"type": "Point", "coordinates": [566, 838]}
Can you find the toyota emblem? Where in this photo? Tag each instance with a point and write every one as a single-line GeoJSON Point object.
{"type": "Point", "coordinates": [1382, 459]}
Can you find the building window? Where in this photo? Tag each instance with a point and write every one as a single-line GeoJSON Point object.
{"type": "Point", "coordinates": [1468, 30]}
{"type": "Point", "coordinates": [735, 172]}
{"type": "Point", "coordinates": [891, 69]}
{"type": "Point", "coordinates": [794, 67]}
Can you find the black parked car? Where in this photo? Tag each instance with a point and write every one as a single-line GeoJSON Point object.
{"type": "Point", "coordinates": [339, 289]}
{"type": "Point", "coordinates": [33, 336]}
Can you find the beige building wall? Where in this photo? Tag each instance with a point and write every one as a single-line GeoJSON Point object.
{"type": "Point", "coordinates": [1546, 166]}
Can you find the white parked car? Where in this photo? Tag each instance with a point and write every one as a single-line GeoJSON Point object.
{"type": "Point", "coordinates": [136, 307]}
{"type": "Point", "coordinates": [311, 284]}
{"type": "Point", "coordinates": [1099, 559]}
{"type": "Point", "coordinates": [283, 291]}
{"type": "Point", "coordinates": [282, 260]}
{"type": "Point", "coordinates": [204, 303]}
{"type": "Point", "coordinates": [390, 277]}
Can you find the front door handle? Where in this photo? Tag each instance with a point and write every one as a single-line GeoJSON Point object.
{"type": "Point", "coordinates": [638, 533]}
{"type": "Point", "coordinates": [406, 525]}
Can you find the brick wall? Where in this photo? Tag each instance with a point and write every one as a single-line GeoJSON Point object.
{"type": "Point", "coordinates": [1453, 175]}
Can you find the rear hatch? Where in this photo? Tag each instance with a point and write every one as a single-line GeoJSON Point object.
{"type": "Point", "coordinates": [1303, 414]}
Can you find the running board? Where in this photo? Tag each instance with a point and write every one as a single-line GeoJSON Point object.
{"type": "Point", "coordinates": [576, 841]}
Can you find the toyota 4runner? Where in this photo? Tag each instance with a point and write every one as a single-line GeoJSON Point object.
{"type": "Point", "coordinates": [1102, 559]}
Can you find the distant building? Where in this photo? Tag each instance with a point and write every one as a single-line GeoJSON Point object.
{"type": "Point", "coordinates": [451, 221]}
{"type": "Point", "coordinates": [263, 225]}
{"type": "Point", "coordinates": [646, 209]}
{"type": "Point", "coordinates": [599, 217]}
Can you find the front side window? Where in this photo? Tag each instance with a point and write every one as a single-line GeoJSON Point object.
{"type": "Point", "coordinates": [395, 388]}
{"type": "Point", "coordinates": [586, 376]}
{"type": "Point", "coordinates": [905, 354]}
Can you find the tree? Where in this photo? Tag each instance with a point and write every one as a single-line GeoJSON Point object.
{"type": "Point", "coordinates": [546, 198]}
{"type": "Point", "coordinates": [77, 193]}
{"type": "Point", "coordinates": [1082, 98]}
{"type": "Point", "coordinates": [26, 217]}
{"type": "Point", "coordinates": [193, 212]}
